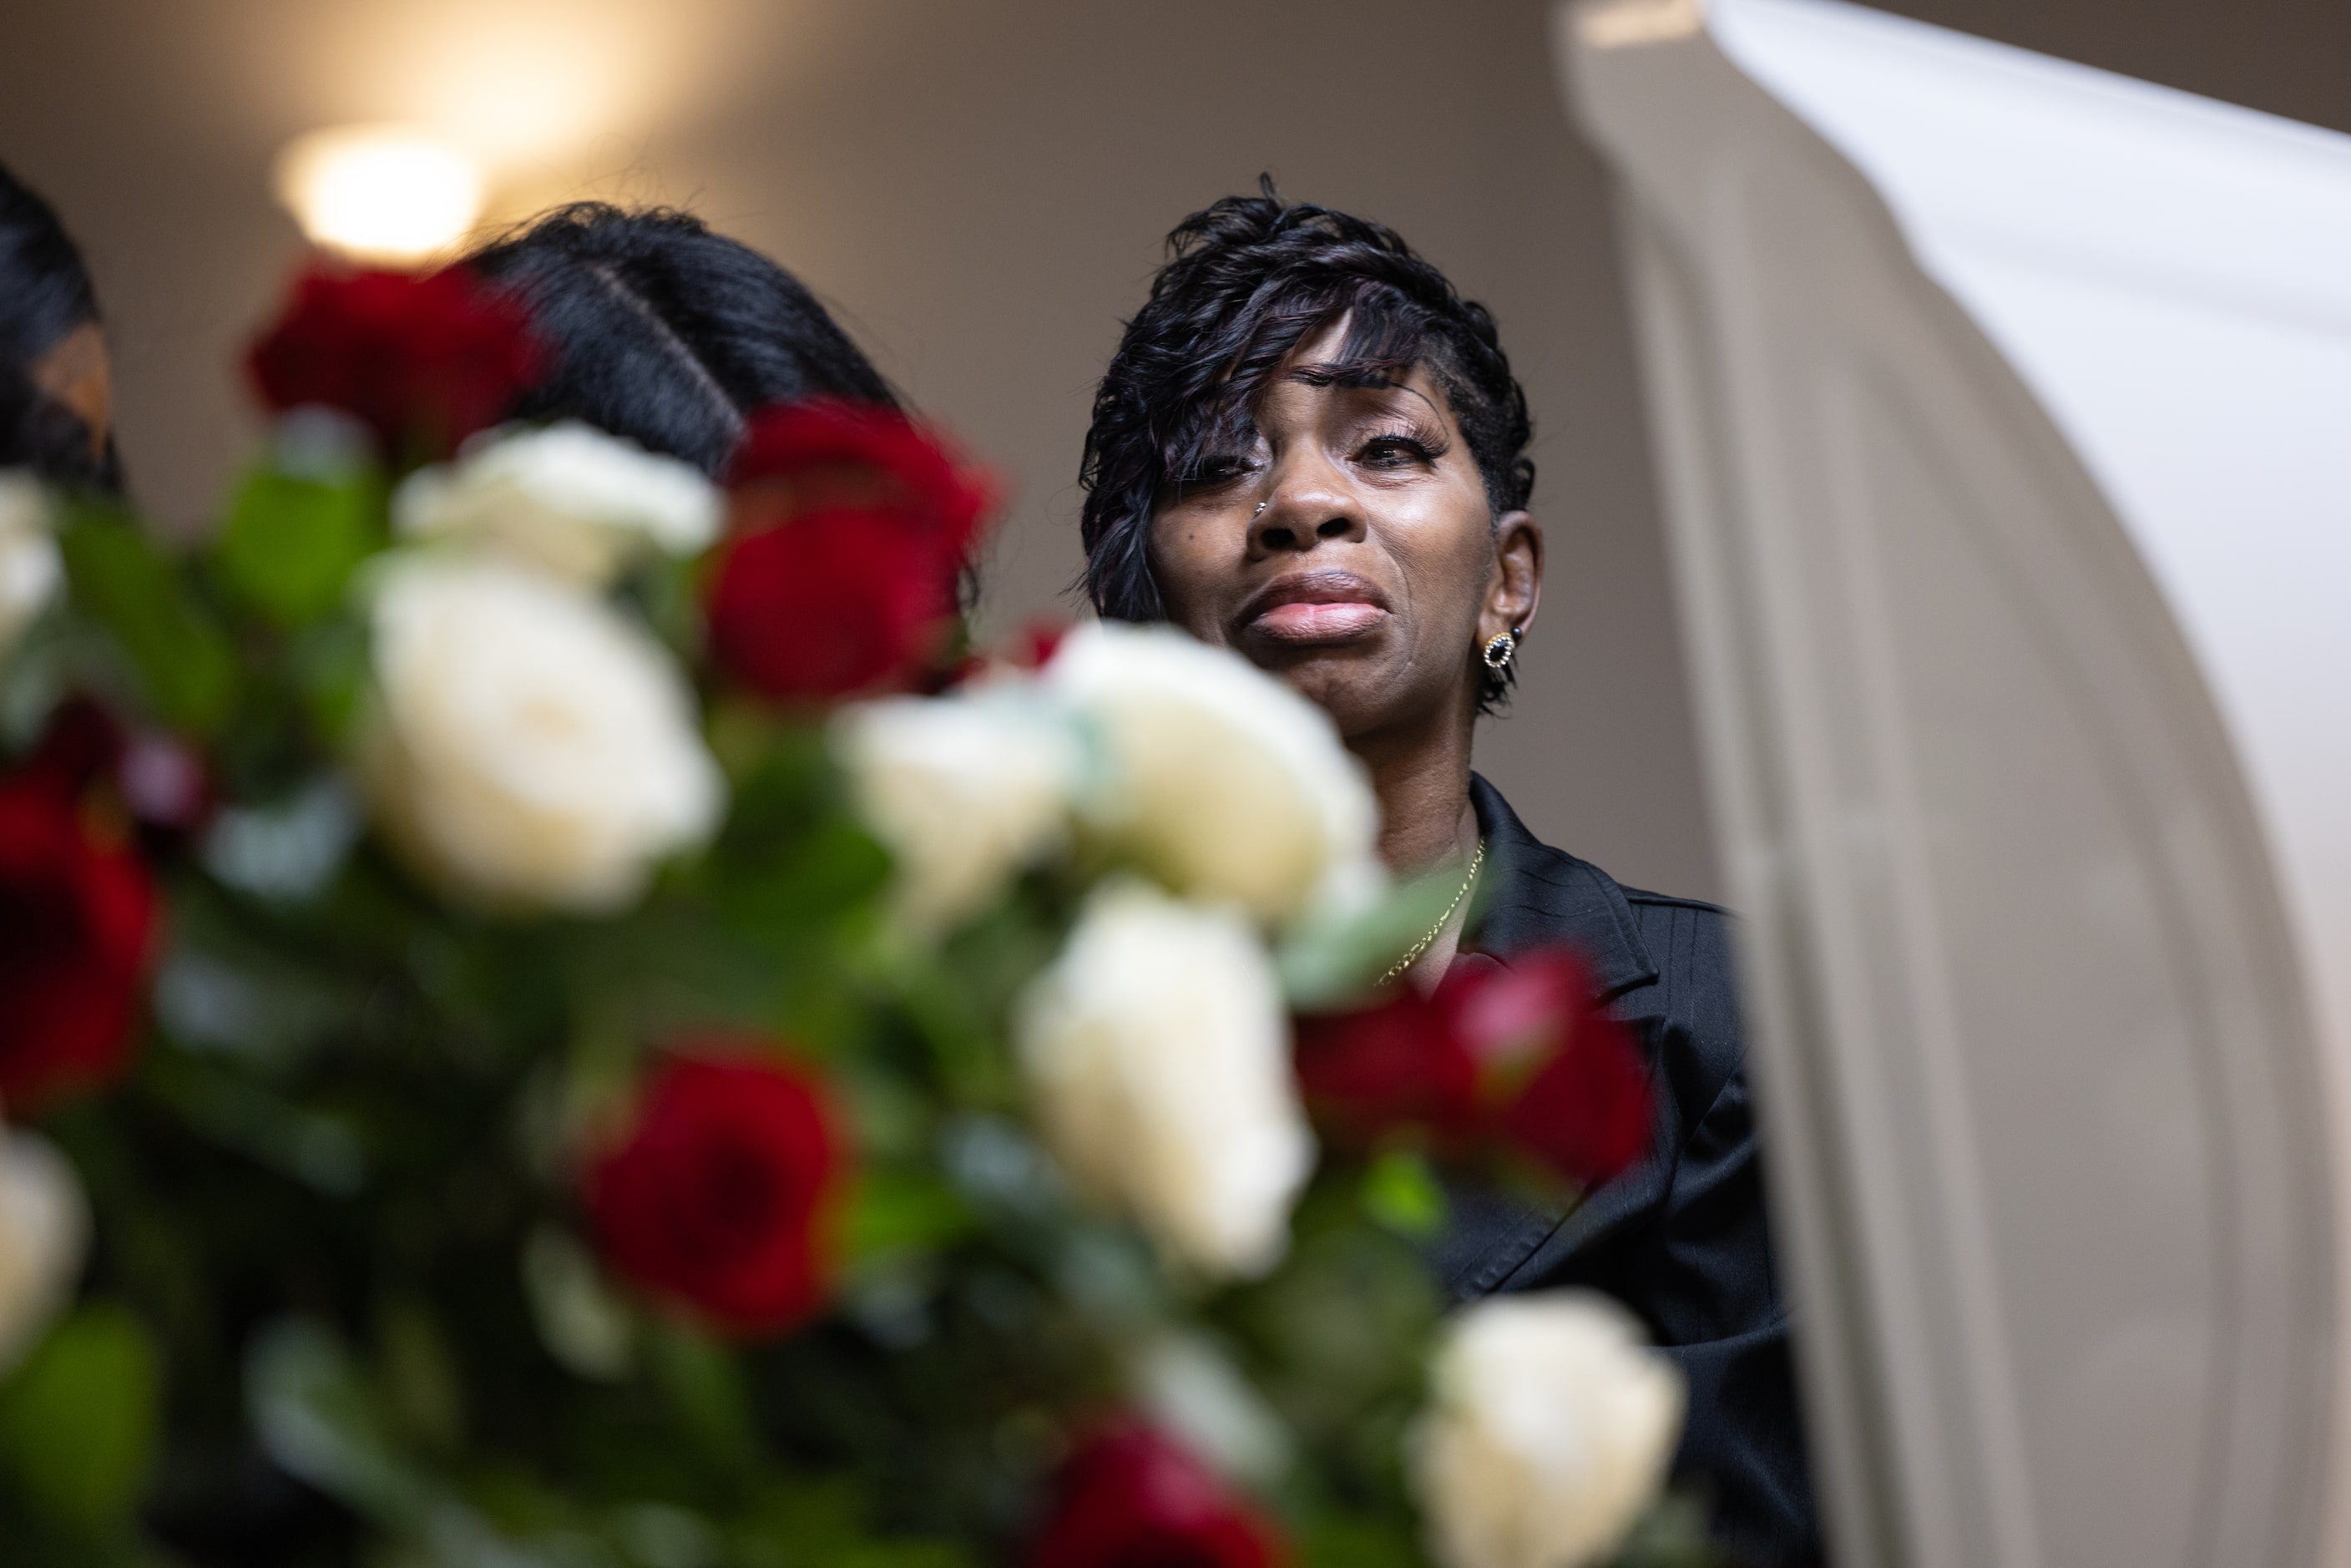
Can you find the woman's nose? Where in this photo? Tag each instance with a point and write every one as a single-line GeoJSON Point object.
{"type": "Point", "coordinates": [1300, 516]}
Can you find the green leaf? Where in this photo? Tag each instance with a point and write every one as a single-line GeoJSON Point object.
{"type": "Point", "coordinates": [317, 1419]}
{"type": "Point", "coordinates": [328, 662]}
{"type": "Point", "coordinates": [1350, 1543]}
{"type": "Point", "coordinates": [293, 541]}
{"type": "Point", "coordinates": [829, 871]}
{"type": "Point", "coordinates": [220, 994]}
{"type": "Point", "coordinates": [582, 1324]}
{"type": "Point", "coordinates": [1336, 1338]}
{"type": "Point", "coordinates": [892, 1213]}
{"type": "Point", "coordinates": [424, 1389]}
{"type": "Point", "coordinates": [1329, 962]}
{"type": "Point", "coordinates": [238, 1112]}
{"type": "Point", "coordinates": [78, 1421]}
{"type": "Point", "coordinates": [661, 1536]}
{"type": "Point", "coordinates": [1402, 1193]}
{"type": "Point", "coordinates": [706, 1393]}
{"type": "Point", "coordinates": [828, 1519]}
{"type": "Point", "coordinates": [121, 580]}
{"type": "Point", "coordinates": [1671, 1535]}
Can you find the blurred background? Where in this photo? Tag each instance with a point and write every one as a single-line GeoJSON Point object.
{"type": "Point", "coordinates": [980, 193]}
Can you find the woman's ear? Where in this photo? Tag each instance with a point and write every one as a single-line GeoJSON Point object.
{"type": "Point", "coordinates": [75, 373]}
{"type": "Point", "coordinates": [1515, 591]}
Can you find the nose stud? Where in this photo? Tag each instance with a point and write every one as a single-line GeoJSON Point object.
{"type": "Point", "coordinates": [1260, 510]}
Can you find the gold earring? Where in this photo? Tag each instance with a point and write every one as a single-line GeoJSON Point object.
{"type": "Point", "coordinates": [1503, 648]}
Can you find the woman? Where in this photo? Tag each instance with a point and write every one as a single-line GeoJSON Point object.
{"type": "Point", "coordinates": [57, 395]}
{"type": "Point", "coordinates": [666, 333]}
{"type": "Point", "coordinates": [1311, 449]}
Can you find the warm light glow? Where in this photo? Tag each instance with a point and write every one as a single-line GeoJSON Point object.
{"type": "Point", "coordinates": [380, 193]}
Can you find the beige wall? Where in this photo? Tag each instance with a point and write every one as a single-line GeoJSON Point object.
{"type": "Point", "coordinates": [980, 191]}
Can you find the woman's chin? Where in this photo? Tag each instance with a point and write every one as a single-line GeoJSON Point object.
{"type": "Point", "coordinates": [1349, 681]}
{"type": "Point", "coordinates": [1298, 658]}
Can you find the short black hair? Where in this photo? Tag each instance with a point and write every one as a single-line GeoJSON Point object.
{"type": "Point", "coordinates": [668, 334]}
{"type": "Point", "coordinates": [44, 295]}
{"type": "Point", "coordinates": [1247, 280]}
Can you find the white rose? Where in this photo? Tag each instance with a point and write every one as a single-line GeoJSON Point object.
{"type": "Point", "coordinates": [1156, 1054]}
{"type": "Point", "coordinates": [531, 745]}
{"type": "Point", "coordinates": [1223, 782]}
{"type": "Point", "coordinates": [44, 1228]}
{"type": "Point", "coordinates": [1550, 1430]}
{"type": "Point", "coordinates": [570, 498]}
{"type": "Point", "coordinates": [30, 569]}
{"type": "Point", "coordinates": [965, 792]}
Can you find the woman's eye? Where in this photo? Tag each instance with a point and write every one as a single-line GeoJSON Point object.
{"type": "Point", "coordinates": [1219, 469]}
{"type": "Point", "coordinates": [1394, 452]}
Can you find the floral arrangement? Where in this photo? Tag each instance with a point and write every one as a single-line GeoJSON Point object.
{"type": "Point", "coordinates": [551, 1013]}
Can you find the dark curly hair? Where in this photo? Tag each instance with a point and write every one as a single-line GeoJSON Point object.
{"type": "Point", "coordinates": [1246, 282]}
{"type": "Point", "coordinates": [666, 333]}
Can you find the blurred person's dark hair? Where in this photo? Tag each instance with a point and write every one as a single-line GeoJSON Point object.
{"type": "Point", "coordinates": [666, 333]}
{"type": "Point", "coordinates": [55, 397]}
{"type": "Point", "coordinates": [1247, 280]}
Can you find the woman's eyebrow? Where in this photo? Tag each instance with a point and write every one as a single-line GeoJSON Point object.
{"type": "Point", "coordinates": [1369, 378]}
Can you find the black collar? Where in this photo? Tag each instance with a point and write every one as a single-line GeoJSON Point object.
{"type": "Point", "coordinates": [1536, 895]}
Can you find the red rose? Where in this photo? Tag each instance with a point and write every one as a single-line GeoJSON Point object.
{"type": "Point", "coordinates": [850, 527]}
{"type": "Point", "coordinates": [423, 360]}
{"type": "Point", "coordinates": [1523, 1055]}
{"type": "Point", "coordinates": [720, 1195]}
{"type": "Point", "coordinates": [81, 747]}
{"type": "Point", "coordinates": [828, 453]}
{"type": "Point", "coordinates": [77, 924]}
{"type": "Point", "coordinates": [1398, 1063]}
{"type": "Point", "coordinates": [162, 781]}
{"type": "Point", "coordinates": [1564, 1076]}
{"type": "Point", "coordinates": [1128, 1498]}
{"type": "Point", "coordinates": [830, 604]}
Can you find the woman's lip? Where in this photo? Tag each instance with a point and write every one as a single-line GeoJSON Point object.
{"type": "Point", "coordinates": [1299, 622]}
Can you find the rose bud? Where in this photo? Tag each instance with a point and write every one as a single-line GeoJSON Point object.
{"type": "Point", "coordinates": [720, 1196]}
{"type": "Point", "coordinates": [421, 361]}
{"type": "Point", "coordinates": [166, 788]}
{"type": "Point", "coordinates": [1563, 1079]}
{"type": "Point", "coordinates": [1129, 1496]}
{"type": "Point", "coordinates": [830, 605]}
{"type": "Point", "coordinates": [1522, 1055]}
{"type": "Point", "coordinates": [77, 926]}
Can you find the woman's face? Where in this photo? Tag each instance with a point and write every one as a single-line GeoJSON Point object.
{"type": "Point", "coordinates": [1345, 544]}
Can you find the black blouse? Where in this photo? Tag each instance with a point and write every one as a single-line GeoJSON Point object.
{"type": "Point", "coordinates": [1681, 1238]}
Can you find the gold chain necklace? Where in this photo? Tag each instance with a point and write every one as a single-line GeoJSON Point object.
{"type": "Point", "coordinates": [1413, 957]}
